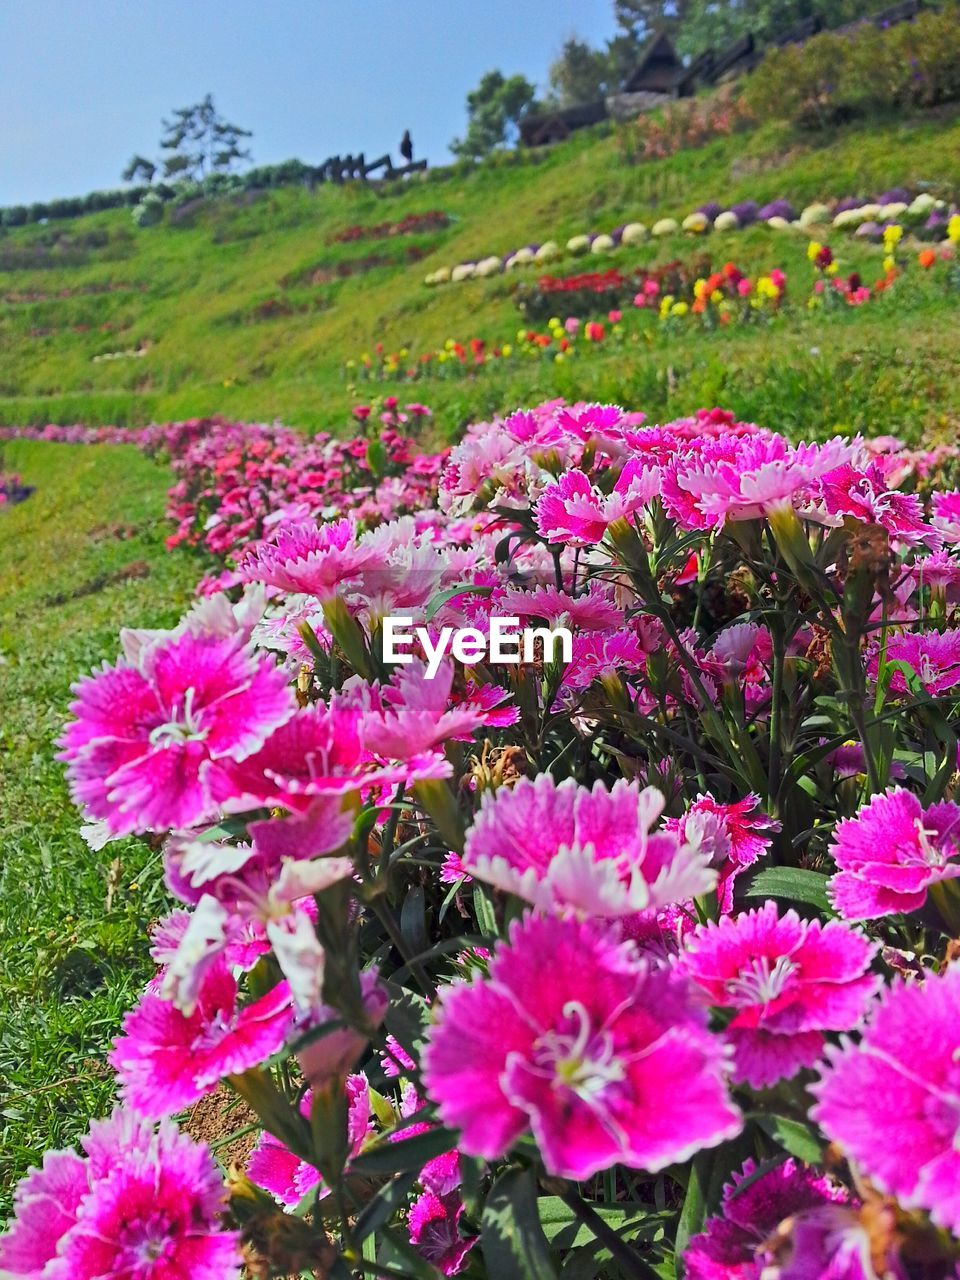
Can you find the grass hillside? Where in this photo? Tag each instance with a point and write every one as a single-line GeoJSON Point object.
{"type": "Point", "coordinates": [225, 297]}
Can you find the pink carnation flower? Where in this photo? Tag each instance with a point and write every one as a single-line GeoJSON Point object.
{"type": "Point", "coordinates": [166, 1060]}
{"type": "Point", "coordinates": [564, 847]}
{"type": "Point", "coordinates": [787, 981]}
{"type": "Point", "coordinates": [273, 1166]}
{"type": "Point", "coordinates": [891, 853]}
{"type": "Point", "coordinates": [790, 1223]}
{"type": "Point", "coordinates": [142, 1204]}
{"type": "Point", "coordinates": [744, 478]}
{"type": "Point", "coordinates": [933, 655]}
{"type": "Point", "coordinates": [145, 728]}
{"type": "Point", "coordinates": [310, 558]}
{"type": "Point", "coordinates": [733, 835]}
{"type": "Point", "coordinates": [412, 714]}
{"type": "Point", "coordinates": [863, 494]}
{"type": "Point", "coordinates": [893, 1100]}
{"type": "Point", "coordinates": [577, 513]}
{"type": "Point", "coordinates": [434, 1223]}
{"type": "Point", "coordinates": [575, 1037]}
{"type": "Point", "coordinates": [946, 516]}
{"type": "Point", "coordinates": [320, 751]}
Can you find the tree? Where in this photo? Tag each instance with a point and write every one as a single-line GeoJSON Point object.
{"type": "Point", "coordinates": [641, 19]}
{"type": "Point", "coordinates": [198, 142]}
{"type": "Point", "coordinates": [494, 111]}
{"type": "Point", "coordinates": [580, 74]}
{"type": "Point", "coordinates": [139, 167]}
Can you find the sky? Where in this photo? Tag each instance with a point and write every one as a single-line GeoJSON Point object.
{"type": "Point", "coordinates": [84, 83]}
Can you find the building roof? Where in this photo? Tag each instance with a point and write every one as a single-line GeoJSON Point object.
{"type": "Point", "coordinates": [657, 68]}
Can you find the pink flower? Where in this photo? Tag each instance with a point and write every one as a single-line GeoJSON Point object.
{"type": "Point", "coordinates": [145, 728]}
{"type": "Point", "coordinates": [575, 1037]}
{"type": "Point", "coordinates": [273, 1166]}
{"type": "Point", "coordinates": [863, 494]}
{"type": "Point", "coordinates": [319, 751]}
{"type": "Point", "coordinates": [933, 655]}
{"type": "Point", "coordinates": [787, 980]}
{"type": "Point", "coordinates": [166, 1060]}
{"type": "Point", "coordinates": [893, 1101]}
{"type": "Point", "coordinates": [577, 513]}
{"type": "Point", "coordinates": [564, 847]}
{"type": "Point", "coordinates": [412, 714]}
{"type": "Point", "coordinates": [733, 836]}
{"type": "Point", "coordinates": [891, 853]}
{"type": "Point", "coordinates": [315, 559]}
{"type": "Point", "coordinates": [323, 1056]}
{"type": "Point", "coordinates": [946, 515]}
{"type": "Point", "coordinates": [571, 324]}
{"type": "Point", "coordinates": [763, 1219]}
{"type": "Point", "coordinates": [434, 1223]}
{"type": "Point", "coordinates": [744, 478]}
{"type": "Point", "coordinates": [142, 1205]}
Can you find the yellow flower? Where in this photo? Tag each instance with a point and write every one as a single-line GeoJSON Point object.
{"type": "Point", "coordinates": [506, 349]}
{"type": "Point", "coordinates": [558, 358]}
{"type": "Point", "coordinates": [813, 248]}
{"type": "Point", "coordinates": [832, 269]}
{"type": "Point", "coordinates": [700, 288]}
{"type": "Point", "coordinates": [889, 263]}
{"type": "Point", "coordinates": [716, 297]}
{"type": "Point", "coordinates": [679, 309]}
{"type": "Point", "coordinates": [953, 229]}
{"type": "Point", "coordinates": [521, 335]}
{"type": "Point", "coordinates": [554, 323]}
{"type": "Point", "coordinates": [891, 237]}
{"type": "Point", "coordinates": [766, 288]}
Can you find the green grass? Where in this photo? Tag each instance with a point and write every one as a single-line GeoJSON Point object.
{"type": "Point", "coordinates": [193, 286]}
{"type": "Point", "coordinates": [85, 555]}
{"type": "Point", "coordinates": [69, 966]}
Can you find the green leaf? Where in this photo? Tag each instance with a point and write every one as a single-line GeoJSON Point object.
{"type": "Point", "coordinates": [793, 1135]}
{"type": "Point", "coordinates": [694, 1207]}
{"type": "Point", "coordinates": [483, 910]}
{"type": "Point", "coordinates": [436, 602]}
{"type": "Point", "coordinates": [794, 884]}
{"type": "Point", "coordinates": [563, 1228]}
{"type": "Point", "coordinates": [512, 1239]}
{"type": "Point", "coordinates": [404, 1153]}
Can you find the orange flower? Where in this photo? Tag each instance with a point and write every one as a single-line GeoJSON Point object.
{"type": "Point", "coordinates": [926, 258]}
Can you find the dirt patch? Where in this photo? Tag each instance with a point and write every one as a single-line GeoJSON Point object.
{"type": "Point", "coordinates": [129, 573]}
{"type": "Point", "coordinates": [215, 1118]}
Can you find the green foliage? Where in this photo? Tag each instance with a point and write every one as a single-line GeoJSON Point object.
{"type": "Point", "coordinates": [198, 141]}
{"type": "Point", "coordinates": [833, 78]}
{"type": "Point", "coordinates": [579, 74]}
{"type": "Point", "coordinates": [494, 111]}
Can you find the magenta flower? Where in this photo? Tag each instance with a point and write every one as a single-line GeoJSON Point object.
{"type": "Point", "coordinates": [891, 853]}
{"type": "Point", "coordinates": [273, 1166]}
{"type": "Point", "coordinates": [166, 1060]}
{"type": "Point", "coordinates": [319, 751]}
{"type": "Point", "coordinates": [434, 1223]}
{"type": "Point", "coordinates": [577, 513]}
{"type": "Point", "coordinates": [744, 478]}
{"type": "Point", "coordinates": [142, 1205]}
{"type": "Point", "coordinates": [412, 715]}
{"type": "Point", "coordinates": [574, 1036]}
{"type": "Point", "coordinates": [307, 557]}
{"type": "Point", "coordinates": [893, 1101]}
{"type": "Point", "coordinates": [786, 980]}
{"type": "Point", "coordinates": [863, 494]}
{"type": "Point", "coordinates": [946, 516]}
{"type": "Point", "coordinates": [733, 835]}
{"type": "Point", "coordinates": [790, 1222]}
{"type": "Point", "coordinates": [563, 847]}
{"type": "Point", "coordinates": [145, 728]}
{"type": "Point", "coordinates": [933, 655]}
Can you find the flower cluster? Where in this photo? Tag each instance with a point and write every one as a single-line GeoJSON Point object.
{"type": "Point", "coordinates": [505, 955]}
{"type": "Point", "coordinates": [412, 224]}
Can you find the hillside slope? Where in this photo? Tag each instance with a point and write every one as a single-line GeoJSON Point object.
{"type": "Point", "coordinates": [241, 309]}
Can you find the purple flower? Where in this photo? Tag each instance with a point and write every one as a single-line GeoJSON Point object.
{"type": "Point", "coordinates": [778, 209]}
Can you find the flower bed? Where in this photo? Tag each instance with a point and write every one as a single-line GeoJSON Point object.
{"type": "Point", "coordinates": [716, 300]}
{"type": "Point", "coordinates": [412, 224]}
{"type": "Point", "coordinates": [584, 959]}
{"type": "Point", "coordinates": [926, 217]}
